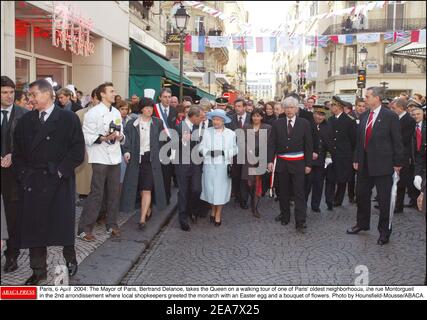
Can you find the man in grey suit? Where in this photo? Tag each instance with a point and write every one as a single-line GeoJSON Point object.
{"type": "Point", "coordinates": [379, 153]}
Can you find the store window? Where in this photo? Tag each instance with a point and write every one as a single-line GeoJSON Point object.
{"type": "Point", "coordinates": [22, 66]}
{"type": "Point", "coordinates": [22, 35]}
{"type": "Point", "coordinates": [49, 69]}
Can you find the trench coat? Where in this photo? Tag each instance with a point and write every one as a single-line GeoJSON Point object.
{"type": "Point", "coordinates": [46, 216]}
{"type": "Point", "coordinates": [130, 182]}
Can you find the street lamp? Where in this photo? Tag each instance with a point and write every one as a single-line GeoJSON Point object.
{"type": "Point", "coordinates": [361, 73]}
{"type": "Point", "coordinates": [181, 19]}
{"type": "Point", "coordinates": [326, 59]}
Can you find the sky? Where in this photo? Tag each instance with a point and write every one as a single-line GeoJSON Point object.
{"type": "Point", "coordinates": [265, 14]}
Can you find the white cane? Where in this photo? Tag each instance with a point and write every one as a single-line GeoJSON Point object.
{"type": "Point", "coordinates": [272, 178]}
{"type": "Point", "coordinates": [393, 198]}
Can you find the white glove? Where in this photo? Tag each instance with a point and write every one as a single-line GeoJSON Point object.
{"type": "Point", "coordinates": [328, 161]}
{"type": "Point", "coordinates": [417, 182]}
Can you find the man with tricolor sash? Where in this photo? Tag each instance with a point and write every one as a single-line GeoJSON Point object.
{"type": "Point", "coordinates": [291, 150]}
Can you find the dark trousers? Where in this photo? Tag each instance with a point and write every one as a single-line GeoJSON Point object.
{"type": "Point", "coordinates": [103, 175]}
{"type": "Point", "coordinates": [383, 184]}
{"type": "Point", "coordinates": [294, 182]}
{"type": "Point", "coordinates": [314, 183]}
{"type": "Point", "coordinates": [406, 182]}
{"type": "Point", "coordinates": [239, 186]}
{"type": "Point", "coordinates": [167, 171]}
{"type": "Point", "coordinates": [38, 258]}
{"type": "Point", "coordinates": [351, 185]}
{"type": "Point", "coordinates": [9, 192]}
{"type": "Point", "coordinates": [334, 192]}
{"type": "Point", "coordinates": [190, 188]}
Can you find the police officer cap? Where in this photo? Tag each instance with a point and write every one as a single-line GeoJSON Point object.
{"type": "Point", "coordinates": [221, 100]}
{"type": "Point", "coordinates": [341, 102]}
{"type": "Point", "coordinates": [320, 108]}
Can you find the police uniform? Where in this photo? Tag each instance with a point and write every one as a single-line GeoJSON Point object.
{"type": "Point", "coordinates": [321, 145]}
{"type": "Point", "coordinates": [339, 172]}
{"type": "Point", "coordinates": [221, 103]}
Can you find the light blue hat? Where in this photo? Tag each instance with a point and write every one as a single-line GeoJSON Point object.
{"type": "Point", "coordinates": [219, 113]}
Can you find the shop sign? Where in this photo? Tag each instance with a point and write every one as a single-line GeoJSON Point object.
{"type": "Point", "coordinates": [70, 30]}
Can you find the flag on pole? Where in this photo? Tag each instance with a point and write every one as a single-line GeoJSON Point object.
{"type": "Point", "coordinates": [395, 36]}
{"type": "Point", "coordinates": [418, 36]}
{"type": "Point", "coordinates": [194, 43]}
{"type": "Point", "coordinates": [368, 37]}
{"type": "Point", "coordinates": [217, 41]}
{"type": "Point", "coordinates": [187, 45]}
{"type": "Point", "coordinates": [266, 44]}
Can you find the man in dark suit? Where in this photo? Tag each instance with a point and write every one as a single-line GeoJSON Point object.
{"type": "Point", "coordinates": [291, 142]}
{"type": "Point", "coordinates": [419, 146]}
{"type": "Point", "coordinates": [168, 114]}
{"type": "Point", "coordinates": [189, 171]}
{"type": "Point", "coordinates": [407, 126]}
{"type": "Point", "coordinates": [343, 130]}
{"type": "Point", "coordinates": [48, 146]}
{"type": "Point", "coordinates": [239, 119]}
{"type": "Point", "coordinates": [379, 153]}
{"type": "Point", "coordinates": [321, 144]}
{"type": "Point", "coordinates": [10, 114]}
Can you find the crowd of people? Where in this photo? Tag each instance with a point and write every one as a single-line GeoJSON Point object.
{"type": "Point", "coordinates": [119, 155]}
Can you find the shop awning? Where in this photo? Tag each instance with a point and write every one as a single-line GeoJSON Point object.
{"type": "Point", "coordinates": [203, 94]}
{"type": "Point", "coordinates": [146, 63]}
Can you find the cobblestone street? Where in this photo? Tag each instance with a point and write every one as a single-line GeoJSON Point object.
{"type": "Point", "coordinates": [246, 250]}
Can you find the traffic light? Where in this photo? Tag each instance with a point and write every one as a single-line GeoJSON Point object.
{"type": "Point", "coordinates": [361, 78]}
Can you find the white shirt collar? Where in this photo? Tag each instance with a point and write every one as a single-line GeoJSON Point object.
{"type": "Point", "coordinates": [377, 110]}
{"type": "Point", "coordinates": [292, 119]}
{"type": "Point", "coordinates": [338, 115]}
{"type": "Point", "coordinates": [402, 115]}
{"type": "Point", "coordinates": [420, 124]}
{"type": "Point", "coordinates": [189, 123]}
{"type": "Point", "coordinates": [8, 109]}
{"type": "Point", "coordinates": [49, 110]}
{"type": "Point", "coordinates": [243, 117]}
{"type": "Point", "coordinates": [164, 107]}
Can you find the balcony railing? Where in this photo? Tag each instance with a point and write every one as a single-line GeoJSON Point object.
{"type": "Point", "coordinates": [379, 25]}
{"type": "Point", "coordinates": [348, 70]}
{"type": "Point", "coordinates": [395, 68]}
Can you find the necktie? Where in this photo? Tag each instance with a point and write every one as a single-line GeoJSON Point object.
{"type": "Point", "coordinates": [419, 137]}
{"type": "Point", "coordinates": [167, 112]}
{"type": "Point", "coordinates": [369, 129]}
{"type": "Point", "coordinates": [4, 133]}
{"type": "Point", "coordinates": [289, 128]}
{"type": "Point", "coordinates": [240, 122]}
{"type": "Point", "coordinates": [42, 121]}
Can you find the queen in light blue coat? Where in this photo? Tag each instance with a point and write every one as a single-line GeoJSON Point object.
{"type": "Point", "coordinates": [218, 147]}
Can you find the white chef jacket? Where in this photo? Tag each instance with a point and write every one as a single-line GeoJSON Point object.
{"type": "Point", "coordinates": [97, 122]}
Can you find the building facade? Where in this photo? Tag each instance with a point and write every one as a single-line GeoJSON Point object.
{"type": "Point", "coordinates": [97, 50]}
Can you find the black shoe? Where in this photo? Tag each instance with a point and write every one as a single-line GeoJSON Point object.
{"type": "Point", "coordinates": [330, 208]}
{"type": "Point", "coordinates": [315, 210]}
{"type": "Point", "coordinates": [337, 204]}
{"type": "Point", "coordinates": [217, 224]}
{"type": "Point", "coordinates": [10, 265]}
{"type": "Point", "coordinates": [356, 230]}
{"type": "Point", "coordinates": [284, 222]}
{"type": "Point", "coordinates": [72, 268]}
{"type": "Point", "coordinates": [398, 210]}
{"type": "Point", "coordinates": [185, 227]}
{"type": "Point", "coordinates": [300, 229]}
{"type": "Point", "coordinates": [212, 219]}
{"type": "Point", "coordinates": [35, 280]}
{"type": "Point", "coordinates": [382, 241]}
{"type": "Point", "coordinates": [276, 199]}
{"type": "Point", "coordinates": [244, 205]}
{"type": "Point", "coordinates": [141, 225]}
{"type": "Point", "coordinates": [279, 218]}
{"type": "Point", "coordinates": [351, 200]}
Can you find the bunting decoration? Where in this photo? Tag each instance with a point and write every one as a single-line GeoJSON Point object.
{"type": "Point", "coordinates": [395, 36]}
{"type": "Point", "coordinates": [418, 35]}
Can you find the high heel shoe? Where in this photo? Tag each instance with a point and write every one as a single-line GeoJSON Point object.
{"type": "Point", "coordinates": [217, 224]}
{"type": "Point", "coordinates": [212, 219]}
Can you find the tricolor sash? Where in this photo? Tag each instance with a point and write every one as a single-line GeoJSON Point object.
{"type": "Point", "coordinates": [292, 156]}
{"type": "Point", "coordinates": [159, 114]}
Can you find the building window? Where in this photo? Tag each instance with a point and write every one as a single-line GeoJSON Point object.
{"type": "Point", "coordinates": [22, 67]}
{"type": "Point", "coordinates": [199, 26]}
{"type": "Point", "coordinates": [350, 56]}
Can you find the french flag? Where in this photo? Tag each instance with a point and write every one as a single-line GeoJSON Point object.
{"type": "Point", "coordinates": [194, 43]}
{"type": "Point", "coordinates": [418, 36]}
{"type": "Point", "coordinates": [266, 44]}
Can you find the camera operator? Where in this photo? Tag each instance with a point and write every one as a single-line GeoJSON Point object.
{"type": "Point", "coordinates": [103, 135]}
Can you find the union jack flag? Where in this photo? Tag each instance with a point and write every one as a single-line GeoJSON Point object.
{"type": "Point", "coordinates": [395, 36]}
{"type": "Point", "coordinates": [317, 41]}
{"type": "Point", "coordinates": [243, 43]}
